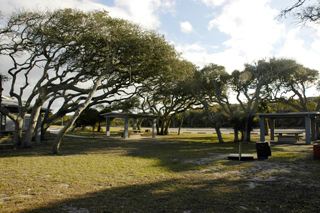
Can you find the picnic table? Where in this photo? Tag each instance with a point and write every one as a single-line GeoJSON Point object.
{"type": "Point", "coordinates": [289, 136]}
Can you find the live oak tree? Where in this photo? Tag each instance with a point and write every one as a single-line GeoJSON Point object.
{"type": "Point", "coordinates": [138, 55]}
{"type": "Point", "coordinates": [250, 85]}
{"type": "Point", "coordinates": [292, 85]}
{"type": "Point", "coordinates": [210, 87]}
{"type": "Point", "coordinates": [22, 43]}
{"type": "Point", "coordinates": [274, 80]}
{"type": "Point", "coordinates": [47, 54]}
{"type": "Point", "coordinates": [168, 94]}
{"type": "Point", "coordinates": [304, 11]}
{"type": "Point", "coordinates": [70, 101]}
{"type": "Point", "coordinates": [88, 117]}
{"type": "Point", "coordinates": [130, 52]}
{"type": "Point", "coordinates": [213, 87]}
{"type": "Point", "coordinates": [77, 54]}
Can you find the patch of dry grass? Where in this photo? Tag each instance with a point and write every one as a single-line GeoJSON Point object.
{"type": "Point", "coordinates": [187, 173]}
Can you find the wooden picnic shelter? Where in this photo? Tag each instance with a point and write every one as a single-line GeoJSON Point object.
{"type": "Point", "coordinates": [309, 118]}
{"type": "Point", "coordinates": [126, 117]}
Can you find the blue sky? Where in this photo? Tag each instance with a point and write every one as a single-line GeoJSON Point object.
{"type": "Point", "coordinates": [225, 32]}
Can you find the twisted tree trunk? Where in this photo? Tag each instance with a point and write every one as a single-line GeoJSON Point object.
{"type": "Point", "coordinates": [69, 124]}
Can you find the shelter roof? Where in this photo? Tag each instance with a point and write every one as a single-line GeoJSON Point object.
{"type": "Point", "coordinates": [12, 104]}
{"type": "Point", "coordinates": [289, 115]}
{"type": "Point", "coordinates": [130, 115]}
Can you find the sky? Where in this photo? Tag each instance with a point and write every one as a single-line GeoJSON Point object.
{"type": "Point", "coordinates": [225, 32]}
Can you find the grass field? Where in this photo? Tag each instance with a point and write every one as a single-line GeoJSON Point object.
{"type": "Point", "coordinates": [187, 173]}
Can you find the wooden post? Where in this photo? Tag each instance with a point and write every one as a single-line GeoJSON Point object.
{"type": "Point", "coordinates": [107, 127]}
{"type": "Point", "coordinates": [262, 137]}
{"type": "Point", "coordinates": [272, 126]}
{"type": "Point", "coordinates": [126, 127]}
{"type": "Point", "coordinates": [307, 127]}
{"type": "Point", "coordinates": [313, 129]}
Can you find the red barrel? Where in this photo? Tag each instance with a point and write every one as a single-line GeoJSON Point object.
{"type": "Point", "coordinates": [316, 151]}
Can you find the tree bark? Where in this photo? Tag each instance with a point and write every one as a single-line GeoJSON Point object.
{"type": "Point", "coordinates": [163, 123]}
{"type": "Point", "coordinates": [213, 121]}
{"type": "Point", "coordinates": [236, 135]}
{"type": "Point", "coordinates": [63, 131]}
{"type": "Point", "coordinates": [167, 125]}
{"type": "Point", "coordinates": [140, 123]}
{"type": "Point", "coordinates": [26, 141]}
{"type": "Point", "coordinates": [217, 128]}
{"type": "Point", "coordinates": [247, 130]}
{"type": "Point", "coordinates": [181, 123]}
{"type": "Point", "coordinates": [157, 126]}
{"type": "Point", "coordinates": [17, 133]}
{"type": "Point", "coordinates": [99, 126]}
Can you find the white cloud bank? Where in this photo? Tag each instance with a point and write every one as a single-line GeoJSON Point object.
{"type": "Point", "coordinates": [253, 33]}
{"type": "Point", "coordinates": [213, 3]}
{"type": "Point", "coordinates": [197, 53]}
{"type": "Point", "coordinates": [145, 13]}
{"type": "Point", "coordinates": [253, 30]}
{"type": "Point", "coordinates": [186, 27]}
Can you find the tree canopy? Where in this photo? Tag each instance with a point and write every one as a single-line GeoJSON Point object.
{"type": "Point", "coordinates": [75, 54]}
{"type": "Point", "coordinates": [274, 80]}
{"type": "Point", "coordinates": [168, 94]}
{"type": "Point", "coordinates": [82, 59]}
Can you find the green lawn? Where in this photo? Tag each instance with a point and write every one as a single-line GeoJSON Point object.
{"type": "Point", "coordinates": [187, 173]}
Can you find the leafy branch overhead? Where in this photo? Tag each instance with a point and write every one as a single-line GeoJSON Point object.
{"type": "Point", "coordinates": [304, 11]}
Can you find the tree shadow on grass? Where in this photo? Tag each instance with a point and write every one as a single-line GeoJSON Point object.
{"type": "Point", "coordinates": [182, 154]}
{"type": "Point", "coordinates": [206, 194]}
{"type": "Point", "coordinates": [192, 188]}
{"type": "Point", "coordinates": [175, 154]}
{"type": "Point", "coordinates": [164, 196]}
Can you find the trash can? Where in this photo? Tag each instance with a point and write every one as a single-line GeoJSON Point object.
{"type": "Point", "coordinates": [263, 150]}
{"type": "Point", "coordinates": [316, 151]}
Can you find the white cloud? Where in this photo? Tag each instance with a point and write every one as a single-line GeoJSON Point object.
{"type": "Point", "coordinates": [252, 27]}
{"type": "Point", "coordinates": [142, 12]}
{"type": "Point", "coordinates": [213, 3]}
{"type": "Point", "coordinates": [9, 6]}
{"type": "Point", "coordinates": [168, 6]}
{"type": "Point", "coordinates": [186, 27]}
{"type": "Point", "coordinates": [196, 47]}
{"type": "Point", "coordinates": [197, 54]}
{"type": "Point", "coordinates": [294, 48]}
{"type": "Point", "coordinates": [316, 46]}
